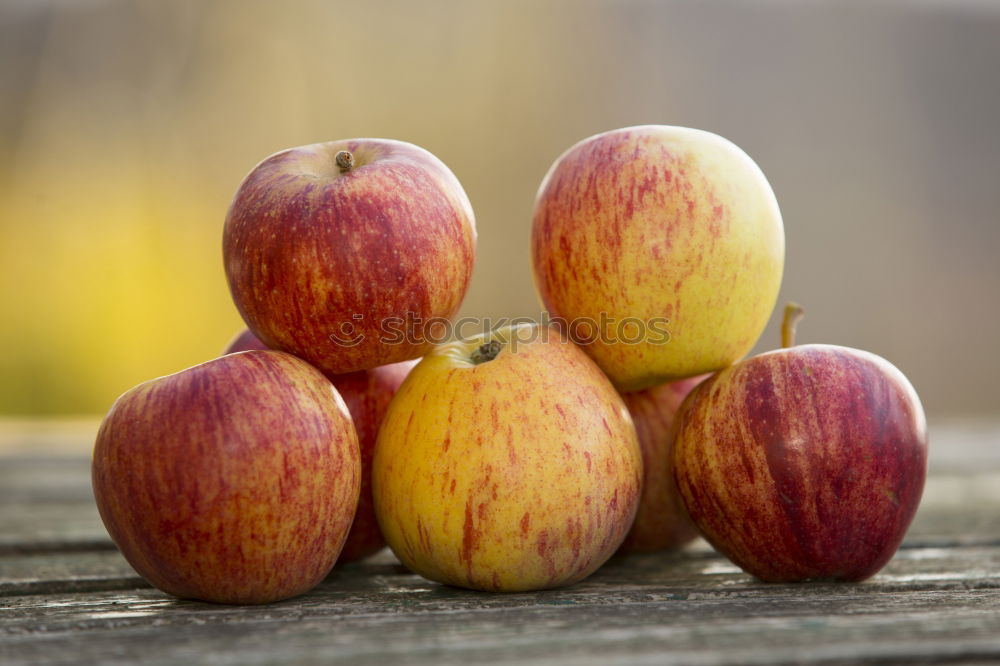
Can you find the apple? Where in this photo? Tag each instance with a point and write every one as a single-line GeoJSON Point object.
{"type": "Point", "coordinates": [805, 462]}
{"type": "Point", "coordinates": [367, 394]}
{"type": "Point", "coordinates": [349, 254]}
{"type": "Point", "coordinates": [244, 341]}
{"type": "Point", "coordinates": [661, 248]}
{"type": "Point", "coordinates": [234, 481]}
{"type": "Point", "coordinates": [506, 462]}
{"type": "Point", "coordinates": [661, 523]}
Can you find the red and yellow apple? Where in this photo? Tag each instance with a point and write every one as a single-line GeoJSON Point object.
{"type": "Point", "coordinates": [367, 394]}
{"type": "Point", "coordinates": [803, 463]}
{"type": "Point", "coordinates": [507, 462]}
{"type": "Point", "coordinates": [348, 253]}
{"type": "Point", "coordinates": [656, 227]}
{"type": "Point", "coordinates": [234, 481]}
{"type": "Point", "coordinates": [661, 523]}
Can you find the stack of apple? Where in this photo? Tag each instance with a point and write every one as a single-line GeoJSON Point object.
{"type": "Point", "coordinates": [525, 457]}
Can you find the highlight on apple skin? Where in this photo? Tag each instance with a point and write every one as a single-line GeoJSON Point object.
{"type": "Point", "coordinates": [506, 463]}
{"type": "Point", "coordinates": [804, 463]}
{"type": "Point", "coordinates": [234, 481]}
{"type": "Point", "coordinates": [659, 222]}
{"type": "Point", "coordinates": [344, 253]}
{"type": "Point", "coordinates": [367, 394]}
{"type": "Point", "coordinates": [661, 522]}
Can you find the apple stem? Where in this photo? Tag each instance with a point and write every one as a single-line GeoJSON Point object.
{"type": "Point", "coordinates": [345, 160]}
{"type": "Point", "coordinates": [793, 313]}
{"type": "Point", "coordinates": [485, 352]}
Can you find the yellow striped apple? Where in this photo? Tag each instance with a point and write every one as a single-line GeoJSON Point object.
{"type": "Point", "coordinates": [234, 481]}
{"type": "Point", "coordinates": [348, 253]}
{"type": "Point", "coordinates": [507, 462]}
{"type": "Point", "coordinates": [367, 394]}
{"type": "Point", "coordinates": [661, 523]}
{"type": "Point", "coordinates": [658, 224]}
{"type": "Point", "coordinates": [805, 462]}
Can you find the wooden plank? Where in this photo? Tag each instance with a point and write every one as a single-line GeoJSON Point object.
{"type": "Point", "coordinates": [693, 574]}
{"type": "Point", "coordinates": [46, 504]}
{"type": "Point", "coordinates": [60, 572]}
{"type": "Point", "coordinates": [900, 629]}
{"type": "Point", "coordinates": [689, 572]}
{"type": "Point", "coordinates": [959, 509]}
{"type": "Point", "coordinates": [45, 479]}
{"type": "Point", "coordinates": [691, 609]}
{"type": "Point", "coordinates": [67, 597]}
{"type": "Point", "coordinates": [44, 567]}
{"type": "Point", "coordinates": [694, 569]}
{"type": "Point", "coordinates": [925, 632]}
{"type": "Point", "coordinates": [51, 527]}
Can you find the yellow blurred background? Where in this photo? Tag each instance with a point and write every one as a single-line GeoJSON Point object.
{"type": "Point", "coordinates": [125, 127]}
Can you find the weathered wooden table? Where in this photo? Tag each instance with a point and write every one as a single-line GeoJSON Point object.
{"type": "Point", "coordinates": [68, 597]}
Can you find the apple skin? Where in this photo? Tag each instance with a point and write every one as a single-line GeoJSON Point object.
{"type": "Point", "coordinates": [244, 341]}
{"type": "Point", "coordinates": [519, 473]}
{"type": "Point", "coordinates": [367, 394]}
{"type": "Point", "coordinates": [803, 463]}
{"type": "Point", "coordinates": [234, 481]}
{"type": "Point", "coordinates": [313, 253]}
{"type": "Point", "coordinates": [659, 222]}
{"type": "Point", "coordinates": [661, 523]}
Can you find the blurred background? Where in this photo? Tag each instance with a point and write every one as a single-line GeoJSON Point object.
{"type": "Point", "coordinates": [125, 128]}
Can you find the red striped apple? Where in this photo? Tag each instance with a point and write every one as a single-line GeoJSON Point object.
{"type": "Point", "coordinates": [805, 462]}
{"type": "Point", "coordinates": [506, 463]}
{"type": "Point", "coordinates": [367, 394]}
{"type": "Point", "coordinates": [348, 253]}
{"type": "Point", "coordinates": [234, 481]}
{"type": "Point", "coordinates": [661, 523]}
{"type": "Point", "coordinates": [647, 228]}
{"type": "Point", "coordinates": [244, 341]}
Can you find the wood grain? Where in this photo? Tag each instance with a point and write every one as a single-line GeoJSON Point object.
{"type": "Point", "coordinates": [67, 597]}
{"type": "Point", "coordinates": [680, 609]}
